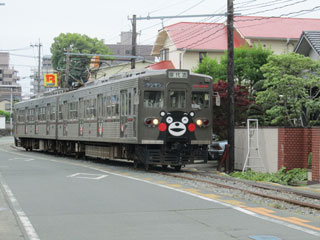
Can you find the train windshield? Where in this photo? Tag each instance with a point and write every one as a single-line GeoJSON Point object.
{"type": "Point", "coordinates": [177, 99]}
{"type": "Point", "coordinates": [153, 99]}
{"type": "Point", "coordinates": [200, 100]}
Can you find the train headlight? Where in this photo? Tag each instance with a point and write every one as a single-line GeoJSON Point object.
{"type": "Point", "coordinates": [199, 122]}
{"type": "Point", "coordinates": [202, 122]}
{"type": "Point", "coordinates": [155, 121]}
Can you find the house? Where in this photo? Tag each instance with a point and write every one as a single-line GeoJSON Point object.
{"type": "Point", "coordinates": [280, 34]}
{"type": "Point", "coordinates": [309, 44]}
{"type": "Point", "coordinates": [186, 43]}
{"type": "Point", "coordinates": [5, 105]}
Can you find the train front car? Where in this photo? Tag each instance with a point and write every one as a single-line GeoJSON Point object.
{"type": "Point", "coordinates": [177, 118]}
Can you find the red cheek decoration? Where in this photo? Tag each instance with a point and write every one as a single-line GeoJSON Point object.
{"type": "Point", "coordinates": [162, 127]}
{"type": "Point", "coordinates": [191, 127]}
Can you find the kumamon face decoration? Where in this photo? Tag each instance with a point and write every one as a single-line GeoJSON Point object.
{"type": "Point", "coordinates": [177, 123]}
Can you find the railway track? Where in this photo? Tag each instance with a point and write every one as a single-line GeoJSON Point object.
{"type": "Point", "coordinates": [291, 196]}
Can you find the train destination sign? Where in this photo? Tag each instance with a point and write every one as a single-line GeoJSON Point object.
{"type": "Point", "coordinates": [50, 80]}
{"type": "Point", "coordinates": [178, 74]}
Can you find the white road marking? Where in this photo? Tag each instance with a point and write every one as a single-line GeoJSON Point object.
{"type": "Point", "coordinates": [88, 176]}
{"type": "Point", "coordinates": [24, 159]}
{"type": "Point", "coordinates": [29, 160]}
{"type": "Point", "coordinates": [289, 225]}
{"type": "Point", "coordinates": [22, 217]}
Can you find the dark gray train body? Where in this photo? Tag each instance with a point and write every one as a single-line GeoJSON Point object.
{"type": "Point", "coordinates": [156, 117]}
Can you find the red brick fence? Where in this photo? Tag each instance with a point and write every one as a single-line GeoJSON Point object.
{"type": "Point", "coordinates": [282, 147]}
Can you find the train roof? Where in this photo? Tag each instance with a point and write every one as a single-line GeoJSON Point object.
{"type": "Point", "coordinates": [120, 76]}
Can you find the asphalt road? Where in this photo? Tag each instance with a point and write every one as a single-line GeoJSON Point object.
{"type": "Point", "coordinates": [57, 198]}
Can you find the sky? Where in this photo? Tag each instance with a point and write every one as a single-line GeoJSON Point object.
{"type": "Point", "coordinates": [25, 23]}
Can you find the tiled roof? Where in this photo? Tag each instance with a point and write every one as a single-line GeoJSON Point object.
{"type": "Point", "coordinates": [213, 36]}
{"type": "Point", "coordinates": [162, 65]}
{"type": "Point", "coordinates": [314, 39]}
{"type": "Point", "coordinates": [274, 27]}
{"type": "Point", "coordinates": [192, 35]}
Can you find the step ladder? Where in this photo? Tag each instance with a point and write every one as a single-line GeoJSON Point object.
{"type": "Point", "coordinates": [253, 146]}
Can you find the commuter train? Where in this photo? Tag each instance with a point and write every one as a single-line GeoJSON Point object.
{"type": "Point", "coordinates": [154, 117]}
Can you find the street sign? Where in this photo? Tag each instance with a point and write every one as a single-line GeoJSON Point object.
{"type": "Point", "coordinates": [50, 80]}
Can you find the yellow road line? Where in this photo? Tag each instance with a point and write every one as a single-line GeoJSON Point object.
{"type": "Point", "coordinates": [294, 220]}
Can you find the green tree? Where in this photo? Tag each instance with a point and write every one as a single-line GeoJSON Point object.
{"type": "Point", "coordinates": [212, 68]}
{"type": "Point", "coordinates": [5, 114]}
{"type": "Point", "coordinates": [77, 43]}
{"type": "Point", "coordinates": [247, 64]}
{"type": "Point", "coordinates": [291, 95]}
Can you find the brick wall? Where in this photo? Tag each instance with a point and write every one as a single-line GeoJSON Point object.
{"type": "Point", "coordinates": [294, 146]}
{"type": "Point", "coordinates": [316, 154]}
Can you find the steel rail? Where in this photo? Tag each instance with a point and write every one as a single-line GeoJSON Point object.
{"type": "Point", "coordinates": [262, 186]}
{"type": "Point", "coordinates": [295, 202]}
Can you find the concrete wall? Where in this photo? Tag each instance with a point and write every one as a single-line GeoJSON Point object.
{"type": "Point", "coordinates": [191, 59]}
{"type": "Point", "coordinates": [281, 147]}
{"type": "Point", "coordinates": [277, 46]}
{"type": "Point", "coordinates": [268, 148]}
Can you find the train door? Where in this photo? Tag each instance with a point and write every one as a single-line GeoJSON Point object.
{"type": "Point", "coordinates": [36, 128]}
{"type": "Point", "coordinates": [100, 115]}
{"type": "Point", "coordinates": [47, 118]}
{"type": "Point", "coordinates": [26, 119]}
{"type": "Point", "coordinates": [81, 117]}
{"type": "Point", "coordinates": [123, 112]}
{"type": "Point", "coordinates": [65, 118]}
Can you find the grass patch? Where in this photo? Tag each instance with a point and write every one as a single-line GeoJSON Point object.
{"type": "Point", "coordinates": [285, 177]}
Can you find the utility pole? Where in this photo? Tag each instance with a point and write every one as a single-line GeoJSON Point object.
{"type": "Point", "coordinates": [39, 45]}
{"type": "Point", "coordinates": [134, 41]}
{"type": "Point", "coordinates": [65, 84]}
{"type": "Point", "coordinates": [230, 163]}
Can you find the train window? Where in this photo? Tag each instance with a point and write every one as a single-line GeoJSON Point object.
{"type": "Point", "coordinates": [31, 115]}
{"type": "Point", "coordinates": [108, 106]}
{"type": "Point", "coordinates": [100, 106]}
{"type": "Point", "coordinates": [60, 112]}
{"type": "Point", "coordinates": [115, 105]}
{"type": "Point", "coordinates": [129, 103]}
{"type": "Point", "coordinates": [177, 99]}
{"type": "Point", "coordinates": [126, 103]}
{"type": "Point", "coordinates": [90, 106]}
{"type": "Point", "coordinates": [73, 111]}
{"type": "Point", "coordinates": [135, 101]}
{"type": "Point", "coordinates": [42, 114]}
{"type": "Point", "coordinates": [53, 113]}
{"type": "Point", "coordinates": [21, 117]}
{"type": "Point", "coordinates": [200, 100]}
{"type": "Point", "coordinates": [153, 99]}
{"type": "Point", "coordinates": [81, 108]}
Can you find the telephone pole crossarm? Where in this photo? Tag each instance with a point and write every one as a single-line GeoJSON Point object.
{"type": "Point", "coordinates": [182, 16]}
{"type": "Point", "coordinates": [103, 55]}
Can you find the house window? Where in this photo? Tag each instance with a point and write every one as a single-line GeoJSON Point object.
{"type": "Point", "coordinates": [7, 106]}
{"type": "Point", "coordinates": [164, 54]}
{"type": "Point", "coordinates": [202, 55]}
